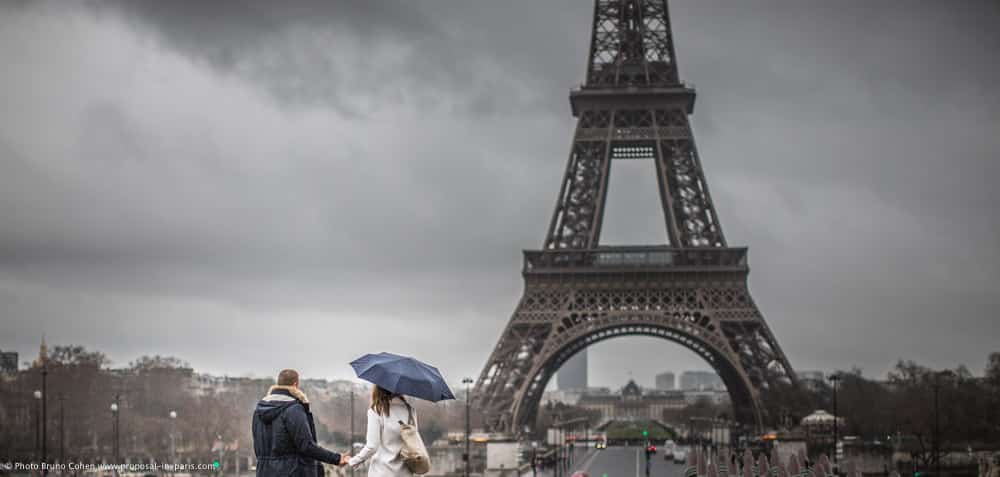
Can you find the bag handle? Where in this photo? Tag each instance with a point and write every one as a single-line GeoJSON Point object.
{"type": "Point", "coordinates": [409, 411]}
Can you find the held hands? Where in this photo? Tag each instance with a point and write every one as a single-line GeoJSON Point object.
{"type": "Point", "coordinates": [343, 459]}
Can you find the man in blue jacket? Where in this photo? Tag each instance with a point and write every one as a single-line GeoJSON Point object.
{"type": "Point", "coordinates": [284, 433]}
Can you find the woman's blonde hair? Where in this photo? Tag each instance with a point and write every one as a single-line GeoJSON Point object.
{"type": "Point", "coordinates": [380, 400]}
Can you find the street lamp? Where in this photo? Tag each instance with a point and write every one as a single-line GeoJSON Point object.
{"type": "Point", "coordinates": [534, 459]}
{"type": "Point", "coordinates": [62, 429]}
{"type": "Point", "coordinates": [351, 439]}
{"type": "Point", "coordinates": [45, 422]}
{"type": "Point", "coordinates": [558, 444]}
{"type": "Point", "coordinates": [716, 440]}
{"type": "Point", "coordinates": [835, 379]}
{"type": "Point", "coordinates": [691, 431]}
{"type": "Point", "coordinates": [937, 422]}
{"type": "Point", "coordinates": [114, 412]}
{"type": "Point", "coordinates": [222, 448]}
{"type": "Point", "coordinates": [468, 426]}
{"type": "Point", "coordinates": [38, 422]}
{"type": "Point", "coordinates": [173, 448]}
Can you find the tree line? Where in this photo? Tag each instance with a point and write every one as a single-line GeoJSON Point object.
{"type": "Point", "coordinates": [912, 409]}
{"type": "Point", "coordinates": [80, 424]}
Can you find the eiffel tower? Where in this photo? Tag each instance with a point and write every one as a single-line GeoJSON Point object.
{"type": "Point", "coordinates": [692, 290]}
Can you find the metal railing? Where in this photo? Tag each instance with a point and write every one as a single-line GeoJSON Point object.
{"type": "Point", "coordinates": [625, 258]}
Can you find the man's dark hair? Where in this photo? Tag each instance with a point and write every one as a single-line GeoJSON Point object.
{"type": "Point", "coordinates": [288, 377]}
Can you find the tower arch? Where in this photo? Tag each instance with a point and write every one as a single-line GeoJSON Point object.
{"type": "Point", "coordinates": [739, 387]}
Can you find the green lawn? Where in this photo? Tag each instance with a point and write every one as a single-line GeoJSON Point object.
{"type": "Point", "coordinates": [633, 430]}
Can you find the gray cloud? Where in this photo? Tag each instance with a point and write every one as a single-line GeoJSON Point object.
{"type": "Point", "coordinates": [351, 54]}
{"type": "Point", "coordinates": [192, 179]}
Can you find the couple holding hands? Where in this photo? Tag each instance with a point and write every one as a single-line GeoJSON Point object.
{"type": "Point", "coordinates": [284, 432]}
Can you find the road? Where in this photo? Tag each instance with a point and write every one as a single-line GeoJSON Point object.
{"type": "Point", "coordinates": [627, 462]}
{"type": "Point", "coordinates": [620, 462]}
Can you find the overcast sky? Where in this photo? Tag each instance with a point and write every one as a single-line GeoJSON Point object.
{"type": "Point", "coordinates": [256, 185]}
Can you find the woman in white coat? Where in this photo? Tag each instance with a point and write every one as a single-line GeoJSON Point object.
{"type": "Point", "coordinates": [382, 439]}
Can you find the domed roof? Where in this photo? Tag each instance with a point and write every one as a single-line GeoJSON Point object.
{"type": "Point", "coordinates": [631, 389]}
{"type": "Point", "coordinates": [821, 417]}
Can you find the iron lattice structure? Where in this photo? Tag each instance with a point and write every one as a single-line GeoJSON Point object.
{"type": "Point", "coordinates": [692, 291]}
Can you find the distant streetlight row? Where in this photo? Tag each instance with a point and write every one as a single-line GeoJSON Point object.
{"type": "Point", "coordinates": [41, 425]}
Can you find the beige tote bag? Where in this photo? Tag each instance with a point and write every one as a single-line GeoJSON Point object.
{"type": "Point", "coordinates": [413, 452]}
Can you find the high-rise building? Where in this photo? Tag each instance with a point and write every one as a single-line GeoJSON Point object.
{"type": "Point", "coordinates": [701, 381]}
{"type": "Point", "coordinates": [665, 381]}
{"type": "Point", "coordinates": [573, 374]}
{"type": "Point", "coordinates": [8, 362]}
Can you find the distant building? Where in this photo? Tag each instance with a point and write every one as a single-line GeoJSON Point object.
{"type": "Point", "coordinates": [202, 384]}
{"type": "Point", "coordinates": [43, 354]}
{"type": "Point", "coordinates": [631, 403]}
{"type": "Point", "coordinates": [815, 375]}
{"type": "Point", "coordinates": [811, 380]}
{"type": "Point", "coordinates": [665, 381]}
{"type": "Point", "coordinates": [714, 396]}
{"type": "Point", "coordinates": [565, 396]}
{"type": "Point", "coordinates": [573, 373]}
{"type": "Point", "coordinates": [8, 362]}
{"type": "Point", "coordinates": [572, 396]}
{"type": "Point", "coordinates": [701, 381]}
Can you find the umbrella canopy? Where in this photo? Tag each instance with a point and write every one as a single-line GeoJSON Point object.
{"type": "Point", "coordinates": [403, 375]}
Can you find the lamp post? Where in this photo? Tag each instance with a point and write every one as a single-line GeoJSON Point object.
{"type": "Point", "coordinates": [468, 426]}
{"type": "Point", "coordinates": [173, 447]}
{"type": "Point", "coordinates": [351, 439]}
{"type": "Point", "coordinates": [937, 424]}
{"type": "Point", "coordinates": [38, 422]}
{"type": "Point", "coordinates": [691, 431]}
{"type": "Point", "coordinates": [572, 450]}
{"type": "Point", "coordinates": [114, 412]}
{"type": "Point", "coordinates": [534, 458]}
{"type": "Point", "coordinates": [222, 449]}
{"type": "Point", "coordinates": [558, 445]}
{"type": "Point", "coordinates": [62, 429]}
{"type": "Point", "coordinates": [45, 422]}
{"type": "Point", "coordinates": [716, 433]}
{"type": "Point", "coordinates": [835, 379]}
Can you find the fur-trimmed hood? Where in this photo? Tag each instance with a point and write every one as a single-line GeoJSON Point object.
{"type": "Point", "coordinates": [292, 390]}
{"type": "Point", "coordinates": [278, 399]}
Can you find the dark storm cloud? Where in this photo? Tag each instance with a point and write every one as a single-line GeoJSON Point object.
{"type": "Point", "coordinates": [178, 171]}
{"type": "Point", "coordinates": [345, 54]}
{"type": "Point", "coordinates": [288, 49]}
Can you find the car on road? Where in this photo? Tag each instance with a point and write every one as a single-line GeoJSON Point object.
{"type": "Point", "coordinates": [668, 449]}
{"type": "Point", "coordinates": [601, 444]}
{"type": "Point", "coordinates": [679, 455]}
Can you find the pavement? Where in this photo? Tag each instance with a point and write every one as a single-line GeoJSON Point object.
{"type": "Point", "coordinates": [618, 462]}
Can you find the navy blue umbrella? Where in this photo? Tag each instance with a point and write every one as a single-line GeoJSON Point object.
{"type": "Point", "coordinates": [403, 375]}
